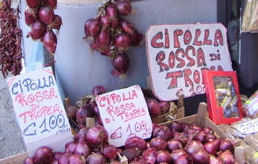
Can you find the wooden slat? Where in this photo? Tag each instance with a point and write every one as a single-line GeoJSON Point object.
{"type": "Point", "coordinates": [16, 159]}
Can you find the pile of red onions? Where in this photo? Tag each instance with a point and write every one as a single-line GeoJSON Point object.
{"type": "Point", "coordinates": [43, 21]}
{"type": "Point", "coordinates": [89, 146]}
{"type": "Point", "coordinates": [111, 35]}
{"type": "Point", "coordinates": [10, 40]}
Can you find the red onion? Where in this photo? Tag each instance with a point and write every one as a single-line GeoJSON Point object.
{"type": "Point", "coordinates": [176, 126]}
{"type": "Point", "coordinates": [201, 136]}
{"type": "Point", "coordinates": [158, 143]}
{"type": "Point", "coordinates": [115, 162]}
{"type": "Point", "coordinates": [201, 157]}
{"type": "Point", "coordinates": [98, 90]}
{"type": "Point", "coordinates": [43, 155]}
{"type": "Point", "coordinates": [114, 22]}
{"type": "Point", "coordinates": [77, 159]}
{"type": "Point", "coordinates": [28, 161]}
{"type": "Point", "coordinates": [50, 41]}
{"type": "Point", "coordinates": [131, 154]}
{"type": "Point", "coordinates": [71, 112]}
{"type": "Point", "coordinates": [103, 39]}
{"type": "Point", "coordinates": [164, 156]}
{"type": "Point", "coordinates": [123, 7]}
{"type": "Point", "coordinates": [184, 159]}
{"type": "Point", "coordinates": [207, 130]}
{"type": "Point", "coordinates": [105, 21]}
{"type": "Point", "coordinates": [227, 157]}
{"type": "Point", "coordinates": [194, 146]}
{"type": "Point", "coordinates": [46, 15]}
{"type": "Point", "coordinates": [214, 160]}
{"type": "Point", "coordinates": [33, 3]}
{"type": "Point", "coordinates": [164, 107]}
{"type": "Point", "coordinates": [37, 30]}
{"type": "Point", "coordinates": [181, 137]}
{"type": "Point", "coordinates": [70, 147]}
{"type": "Point", "coordinates": [64, 159]}
{"type": "Point", "coordinates": [153, 106]}
{"type": "Point", "coordinates": [122, 41]}
{"type": "Point", "coordinates": [54, 161]}
{"type": "Point", "coordinates": [191, 134]}
{"type": "Point", "coordinates": [81, 115]}
{"type": "Point", "coordinates": [30, 16]}
{"type": "Point", "coordinates": [57, 23]}
{"type": "Point", "coordinates": [174, 145]}
{"type": "Point", "coordinates": [111, 11]}
{"type": "Point", "coordinates": [96, 158]}
{"type": "Point", "coordinates": [211, 137]}
{"type": "Point", "coordinates": [82, 149]}
{"type": "Point", "coordinates": [121, 63]}
{"type": "Point", "coordinates": [96, 110]}
{"type": "Point", "coordinates": [58, 155]}
{"type": "Point", "coordinates": [150, 155]}
{"type": "Point", "coordinates": [226, 145]}
{"type": "Point", "coordinates": [52, 3]}
{"type": "Point", "coordinates": [163, 132]}
{"type": "Point", "coordinates": [91, 27]}
{"type": "Point", "coordinates": [97, 135]}
{"type": "Point", "coordinates": [110, 151]}
{"type": "Point", "coordinates": [185, 126]}
{"type": "Point", "coordinates": [135, 142]}
{"type": "Point", "coordinates": [81, 135]}
{"type": "Point", "coordinates": [196, 127]}
{"type": "Point", "coordinates": [177, 154]}
{"type": "Point", "coordinates": [127, 27]}
{"type": "Point", "coordinates": [212, 147]}
{"type": "Point", "coordinates": [136, 38]}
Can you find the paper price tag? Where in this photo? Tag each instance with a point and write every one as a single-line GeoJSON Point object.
{"type": "Point", "coordinates": [124, 114]}
{"type": "Point", "coordinates": [248, 127]}
{"type": "Point", "coordinates": [39, 109]}
{"type": "Point", "coordinates": [15, 4]}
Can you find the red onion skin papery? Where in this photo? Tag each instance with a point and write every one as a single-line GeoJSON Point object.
{"type": "Point", "coordinates": [81, 135]}
{"type": "Point", "coordinates": [91, 27]}
{"type": "Point", "coordinates": [154, 107]}
{"type": "Point", "coordinates": [201, 157]}
{"type": "Point", "coordinates": [150, 155]}
{"type": "Point", "coordinates": [97, 135]}
{"type": "Point", "coordinates": [37, 30]}
{"type": "Point", "coordinates": [65, 159]}
{"type": "Point", "coordinates": [174, 145]}
{"type": "Point", "coordinates": [158, 143]}
{"type": "Point", "coordinates": [131, 154]}
{"type": "Point", "coordinates": [57, 23]}
{"type": "Point", "coordinates": [110, 151]}
{"type": "Point", "coordinates": [46, 15]}
{"type": "Point", "coordinates": [164, 156]}
{"type": "Point", "coordinates": [177, 153]}
{"type": "Point", "coordinates": [135, 142]}
{"type": "Point", "coordinates": [43, 155]}
{"type": "Point", "coordinates": [214, 160]}
{"type": "Point", "coordinates": [81, 115]}
{"type": "Point", "coordinates": [58, 155]}
{"type": "Point", "coordinates": [77, 159]}
{"type": "Point", "coordinates": [103, 39]}
{"type": "Point", "coordinates": [227, 157]}
{"type": "Point", "coordinates": [97, 90]}
{"type": "Point", "coordinates": [123, 7]}
{"type": "Point", "coordinates": [111, 11]}
{"type": "Point", "coordinates": [184, 159]}
{"type": "Point", "coordinates": [212, 147]}
{"type": "Point", "coordinates": [226, 145]}
{"type": "Point", "coordinates": [50, 41]}
{"type": "Point", "coordinates": [52, 3]}
{"type": "Point", "coordinates": [33, 3]}
{"type": "Point", "coordinates": [163, 132]}
{"type": "Point", "coordinates": [164, 107]}
{"type": "Point", "coordinates": [176, 126]}
{"type": "Point", "coordinates": [71, 112]}
{"type": "Point", "coordinates": [30, 16]}
{"type": "Point", "coordinates": [120, 64]}
{"type": "Point", "coordinates": [122, 41]}
{"type": "Point", "coordinates": [70, 147]}
{"type": "Point", "coordinates": [82, 149]}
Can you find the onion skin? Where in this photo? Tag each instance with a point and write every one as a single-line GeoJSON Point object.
{"type": "Point", "coordinates": [121, 63]}
{"type": "Point", "coordinates": [33, 3]}
{"type": "Point", "coordinates": [50, 41]}
{"type": "Point", "coordinates": [158, 143]}
{"type": "Point", "coordinates": [58, 155]}
{"type": "Point", "coordinates": [82, 149]}
{"type": "Point", "coordinates": [30, 16]}
{"type": "Point", "coordinates": [111, 11]}
{"type": "Point", "coordinates": [81, 115]}
{"type": "Point", "coordinates": [122, 41]}
{"type": "Point", "coordinates": [201, 157]}
{"type": "Point", "coordinates": [54, 161]}
{"type": "Point", "coordinates": [110, 151]}
{"type": "Point", "coordinates": [227, 157]}
{"type": "Point", "coordinates": [184, 159]}
{"type": "Point", "coordinates": [52, 3]}
{"type": "Point", "coordinates": [28, 161]}
{"type": "Point", "coordinates": [150, 155]}
{"type": "Point", "coordinates": [77, 159]}
{"type": "Point", "coordinates": [97, 135]}
{"type": "Point", "coordinates": [164, 107]}
{"type": "Point", "coordinates": [71, 112]}
{"type": "Point", "coordinates": [43, 155]}
{"type": "Point", "coordinates": [127, 27]}
{"type": "Point", "coordinates": [37, 30]}
{"type": "Point", "coordinates": [177, 154]}
{"type": "Point", "coordinates": [70, 147]}
{"type": "Point", "coordinates": [64, 159]}
{"type": "Point", "coordinates": [97, 90]}
{"type": "Point", "coordinates": [194, 146]}
{"type": "Point", "coordinates": [135, 142]}
{"type": "Point", "coordinates": [226, 145]}
{"type": "Point", "coordinates": [124, 7]}
{"type": "Point", "coordinates": [46, 15]}
{"type": "Point", "coordinates": [163, 132]}
{"type": "Point", "coordinates": [81, 135]}
{"type": "Point", "coordinates": [176, 126]}
{"type": "Point", "coordinates": [164, 156]}
{"type": "Point", "coordinates": [174, 145]}
{"type": "Point", "coordinates": [214, 160]}
{"type": "Point", "coordinates": [201, 136]}
{"type": "Point", "coordinates": [91, 27]}
{"type": "Point", "coordinates": [154, 107]}
{"type": "Point", "coordinates": [105, 21]}
{"type": "Point", "coordinates": [212, 147]}
{"type": "Point", "coordinates": [131, 154]}
{"type": "Point", "coordinates": [103, 39]}
{"type": "Point", "coordinates": [57, 23]}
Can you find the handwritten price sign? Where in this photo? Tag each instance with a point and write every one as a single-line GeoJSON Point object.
{"type": "Point", "coordinates": [178, 53]}
{"type": "Point", "coordinates": [39, 109]}
{"type": "Point", "coordinates": [248, 127]}
{"type": "Point", "coordinates": [124, 114]}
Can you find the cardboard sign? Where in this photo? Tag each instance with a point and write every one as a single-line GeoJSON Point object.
{"type": "Point", "coordinates": [248, 127]}
{"type": "Point", "coordinates": [39, 110]}
{"type": "Point", "coordinates": [177, 54]}
{"type": "Point", "coordinates": [124, 114]}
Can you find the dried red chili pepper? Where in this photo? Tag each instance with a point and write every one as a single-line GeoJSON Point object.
{"type": "Point", "coordinates": [10, 40]}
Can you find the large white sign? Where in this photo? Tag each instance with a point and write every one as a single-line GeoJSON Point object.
{"type": "Point", "coordinates": [39, 110]}
{"type": "Point", "coordinates": [177, 54]}
{"type": "Point", "coordinates": [248, 127]}
{"type": "Point", "coordinates": [124, 114]}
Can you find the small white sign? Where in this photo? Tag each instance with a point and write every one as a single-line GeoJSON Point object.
{"type": "Point", "coordinates": [177, 54]}
{"type": "Point", "coordinates": [15, 4]}
{"type": "Point", "coordinates": [39, 110]}
{"type": "Point", "coordinates": [124, 114]}
{"type": "Point", "coordinates": [248, 127]}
